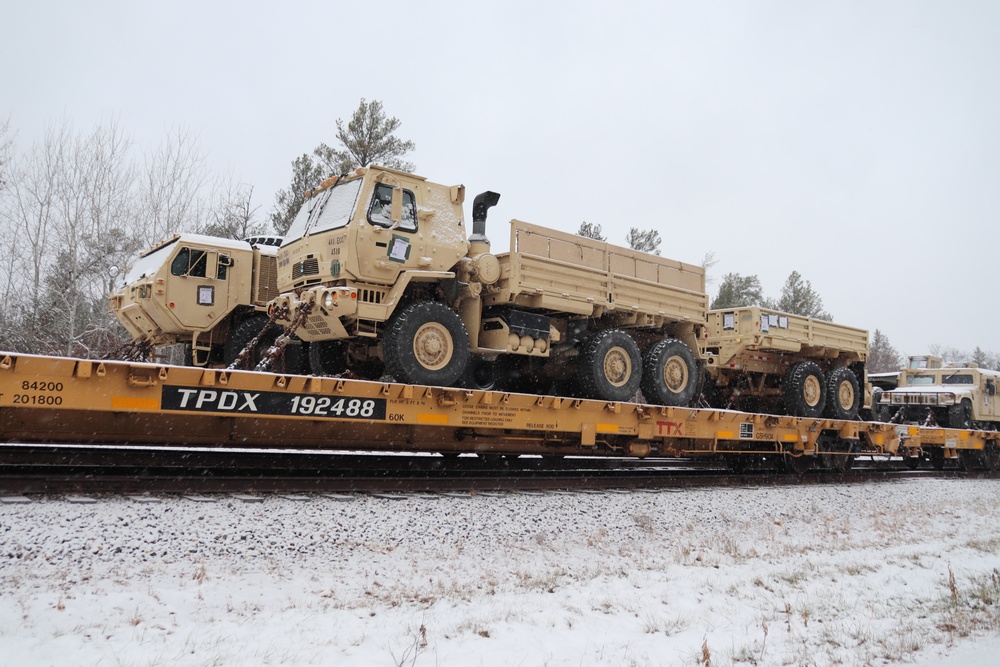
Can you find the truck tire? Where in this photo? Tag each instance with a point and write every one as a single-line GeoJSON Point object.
{"type": "Point", "coordinates": [803, 390]}
{"type": "Point", "coordinates": [426, 343]}
{"type": "Point", "coordinates": [960, 415]}
{"type": "Point", "coordinates": [245, 332]}
{"type": "Point", "coordinates": [294, 358]}
{"type": "Point", "coordinates": [609, 366]}
{"type": "Point", "coordinates": [328, 357]}
{"type": "Point", "coordinates": [669, 374]}
{"type": "Point", "coordinates": [843, 395]}
{"type": "Point", "coordinates": [481, 374]}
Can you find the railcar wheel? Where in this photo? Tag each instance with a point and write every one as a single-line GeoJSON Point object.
{"type": "Point", "coordinates": [669, 374]}
{"type": "Point", "coordinates": [991, 456]}
{"type": "Point", "coordinates": [968, 460]}
{"type": "Point", "coordinates": [911, 462]}
{"type": "Point", "coordinates": [243, 334]}
{"type": "Point", "coordinates": [839, 461]}
{"type": "Point", "coordinates": [937, 458]}
{"type": "Point", "coordinates": [608, 367]}
{"type": "Point", "coordinates": [835, 453]}
{"type": "Point", "coordinates": [843, 397]}
{"type": "Point", "coordinates": [426, 343]}
{"type": "Point", "coordinates": [799, 465]}
{"type": "Point", "coordinates": [328, 357]}
{"type": "Point", "coordinates": [960, 415]}
{"type": "Point", "coordinates": [803, 390]}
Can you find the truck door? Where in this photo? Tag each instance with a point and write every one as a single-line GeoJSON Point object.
{"type": "Point", "coordinates": [197, 291]}
{"type": "Point", "coordinates": [387, 239]}
{"type": "Point", "coordinates": [988, 402]}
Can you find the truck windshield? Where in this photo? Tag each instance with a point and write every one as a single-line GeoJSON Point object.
{"type": "Point", "coordinates": [147, 265]}
{"type": "Point", "coordinates": [917, 380]}
{"type": "Point", "coordinates": [328, 210]}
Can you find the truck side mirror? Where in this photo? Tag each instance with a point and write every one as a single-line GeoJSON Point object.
{"type": "Point", "coordinates": [991, 388]}
{"type": "Point", "coordinates": [211, 264]}
{"type": "Point", "coordinates": [396, 213]}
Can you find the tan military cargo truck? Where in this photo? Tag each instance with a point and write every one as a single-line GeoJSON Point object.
{"type": "Point", "coordinates": [379, 263]}
{"type": "Point", "coordinates": [205, 292]}
{"type": "Point", "coordinates": [951, 397]}
{"type": "Point", "coordinates": [759, 360]}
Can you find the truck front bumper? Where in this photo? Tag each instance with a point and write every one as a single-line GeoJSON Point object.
{"type": "Point", "coordinates": [330, 308]}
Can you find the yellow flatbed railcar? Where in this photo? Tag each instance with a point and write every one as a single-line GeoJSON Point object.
{"type": "Point", "coordinates": [64, 400]}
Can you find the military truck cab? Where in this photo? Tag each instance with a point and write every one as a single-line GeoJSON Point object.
{"type": "Point", "coordinates": [197, 290]}
{"type": "Point", "coordinates": [950, 397]}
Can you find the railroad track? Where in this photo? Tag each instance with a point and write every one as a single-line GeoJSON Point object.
{"type": "Point", "coordinates": [37, 469]}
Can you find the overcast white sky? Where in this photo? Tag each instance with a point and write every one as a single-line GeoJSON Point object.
{"type": "Point", "coordinates": [855, 142]}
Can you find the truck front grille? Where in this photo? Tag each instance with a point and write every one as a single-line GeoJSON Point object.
{"type": "Point", "coordinates": [307, 267]}
{"type": "Point", "coordinates": [267, 282]}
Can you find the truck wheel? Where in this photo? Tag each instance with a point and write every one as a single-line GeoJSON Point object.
{"type": "Point", "coordinates": [294, 358]}
{"type": "Point", "coordinates": [608, 367]}
{"type": "Point", "coordinates": [245, 332]}
{"type": "Point", "coordinates": [876, 411]}
{"type": "Point", "coordinates": [803, 390]}
{"type": "Point", "coordinates": [669, 374]}
{"type": "Point", "coordinates": [328, 357]}
{"type": "Point", "coordinates": [843, 396]}
{"type": "Point", "coordinates": [481, 374]}
{"type": "Point", "coordinates": [426, 343]}
{"type": "Point", "coordinates": [960, 415]}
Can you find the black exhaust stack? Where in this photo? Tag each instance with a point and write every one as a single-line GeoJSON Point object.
{"type": "Point", "coordinates": [480, 207]}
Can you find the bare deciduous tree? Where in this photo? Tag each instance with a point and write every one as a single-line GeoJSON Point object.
{"type": "Point", "coordinates": [172, 192]}
{"type": "Point", "coordinates": [233, 214]}
{"type": "Point", "coordinates": [74, 206]}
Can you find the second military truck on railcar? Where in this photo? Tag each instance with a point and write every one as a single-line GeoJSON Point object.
{"type": "Point", "coordinates": [207, 293]}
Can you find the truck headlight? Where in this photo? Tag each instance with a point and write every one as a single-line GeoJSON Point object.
{"type": "Point", "coordinates": [947, 398]}
{"type": "Point", "coordinates": [329, 300]}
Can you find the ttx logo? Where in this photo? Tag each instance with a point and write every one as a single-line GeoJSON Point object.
{"type": "Point", "coordinates": [670, 428]}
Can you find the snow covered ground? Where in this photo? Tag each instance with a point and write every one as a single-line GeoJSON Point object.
{"type": "Point", "coordinates": [873, 574]}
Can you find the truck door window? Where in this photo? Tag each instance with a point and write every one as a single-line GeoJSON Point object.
{"type": "Point", "coordinates": [189, 262]}
{"type": "Point", "coordinates": [380, 211]}
{"type": "Point", "coordinates": [225, 261]}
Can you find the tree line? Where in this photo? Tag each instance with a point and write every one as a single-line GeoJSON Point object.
{"type": "Point", "coordinates": [76, 209]}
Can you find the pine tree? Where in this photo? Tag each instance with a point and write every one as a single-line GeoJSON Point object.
{"type": "Point", "coordinates": [644, 241]}
{"type": "Point", "coordinates": [306, 173]}
{"type": "Point", "coordinates": [591, 231]}
{"type": "Point", "coordinates": [367, 139]}
{"type": "Point", "coordinates": [799, 298]}
{"type": "Point", "coordinates": [882, 356]}
{"type": "Point", "coordinates": [737, 290]}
